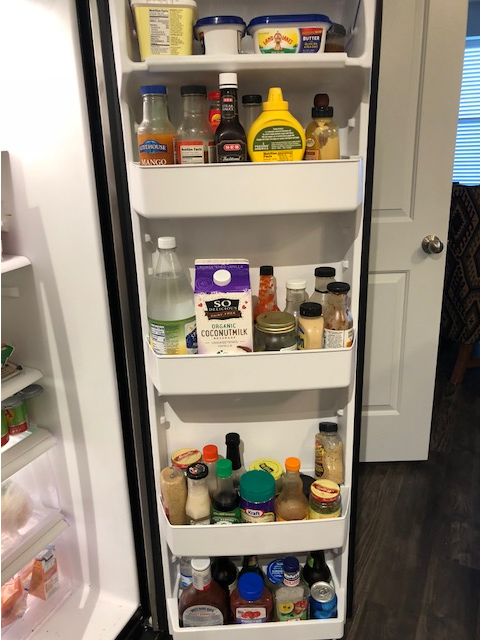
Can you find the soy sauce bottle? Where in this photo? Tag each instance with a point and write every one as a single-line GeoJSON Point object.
{"type": "Point", "coordinates": [316, 569]}
{"type": "Point", "coordinates": [230, 138]}
{"type": "Point", "coordinates": [225, 507]}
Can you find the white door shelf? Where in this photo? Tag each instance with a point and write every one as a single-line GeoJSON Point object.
{"type": "Point", "coordinates": [26, 377]}
{"type": "Point", "coordinates": [251, 372]}
{"type": "Point", "coordinates": [259, 539]}
{"type": "Point", "coordinates": [11, 263]}
{"type": "Point", "coordinates": [302, 630]}
{"type": "Point", "coordinates": [24, 448]}
{"type": "Point", "coordinates": [251, 188]}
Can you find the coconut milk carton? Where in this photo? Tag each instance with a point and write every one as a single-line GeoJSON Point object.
{"type": "Point", "coordinates": [223, 306]}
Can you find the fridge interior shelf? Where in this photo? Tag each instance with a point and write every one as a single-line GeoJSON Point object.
{"type": "Point", "coordinates": [260, 539]}
{"type": "Point", "coordinates": [17, 383]}
{"type": "Point", "coordinates": [251, 372]}
{"type": "Point", "coordinates": [11, 263]}
{"type": "Point", "coordinates": [303, 630]}
{"type": "Point", "coordinates": [24, 448]}
{"type": "Point", "coordinates": [50, 524]}
{"type": "Point", "coordinates": [250, 188]}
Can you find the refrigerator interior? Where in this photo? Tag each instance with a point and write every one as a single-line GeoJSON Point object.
{"type": "Point", "coordinates": [294, 216]}
{"type": "Point", "coordinates": [55, 312]}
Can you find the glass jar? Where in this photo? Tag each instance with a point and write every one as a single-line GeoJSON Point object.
{"type": "Point", "coordinates": [325, 500]}
{"type": "Point", "coordinates": [275, 331]}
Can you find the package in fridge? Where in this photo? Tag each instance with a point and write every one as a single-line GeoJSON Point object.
{"type": "Point", "coordinates": [223, 306]}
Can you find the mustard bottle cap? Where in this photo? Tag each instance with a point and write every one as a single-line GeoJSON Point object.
{"type": "Point", "coordinates": [275, 101]}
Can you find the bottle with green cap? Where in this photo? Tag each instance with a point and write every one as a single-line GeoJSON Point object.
{"type": "Point", "coordinates": [276, 136]}
{"type": "Point", "coordinates": [225, 501]}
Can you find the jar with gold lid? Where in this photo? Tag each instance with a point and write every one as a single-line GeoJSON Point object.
{"type": "Point", "coordinates": [325, 500]}
{"type": "Point", "coordinates": [275, 331]}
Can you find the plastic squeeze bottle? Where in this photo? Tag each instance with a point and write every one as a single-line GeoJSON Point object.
{"type": "Point", "coordinates": [276, 136]}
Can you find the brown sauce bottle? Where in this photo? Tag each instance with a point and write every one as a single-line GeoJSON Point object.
{"type": "Point", "coordinates": [230, 138]}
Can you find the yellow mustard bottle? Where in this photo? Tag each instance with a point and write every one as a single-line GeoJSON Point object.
{"type": "Point", "coordinates": [276, 136]}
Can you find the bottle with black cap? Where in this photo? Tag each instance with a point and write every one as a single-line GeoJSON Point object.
{"type": "Point", "coordinates": [322, 142]}
{"type": "Point", "coordinates": [252, 108]}
{"type": "Point", "coordinates": [267, 293]}
{"type": "Point", "coordinates": [329, 463]}
{"type": "Point", "coordinates": [323, 277]}
{"type": "Point", "coordinates": [232, 440]}
{"type": "Point", "coordinates": [338, 328]}
{"type": "Point", "coordinates": [230, 138]}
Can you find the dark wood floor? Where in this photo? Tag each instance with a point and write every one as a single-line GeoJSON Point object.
{"type": "Point", "coordinates": [418, 534]}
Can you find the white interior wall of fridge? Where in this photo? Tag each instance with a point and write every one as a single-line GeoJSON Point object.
{"type": "Point", "coordinates": [60, 322]}
{"type": "Point", "coordinates": [271, 422]}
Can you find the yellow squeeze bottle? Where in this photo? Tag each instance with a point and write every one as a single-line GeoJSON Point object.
{"type": "Point", "coordinates": [276, 136]}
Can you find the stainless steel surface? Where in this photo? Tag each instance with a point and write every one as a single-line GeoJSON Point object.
{"type": "Point", "coordinates": [432, 244]}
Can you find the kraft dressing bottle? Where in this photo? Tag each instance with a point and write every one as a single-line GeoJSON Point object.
{"type": "Point", "coordinates": [276, 136]}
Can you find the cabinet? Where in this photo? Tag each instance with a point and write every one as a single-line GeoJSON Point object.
{"type": "Point", "coordinates": [295, 216]}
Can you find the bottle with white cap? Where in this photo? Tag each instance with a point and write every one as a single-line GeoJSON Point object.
{"type": "Point", "coordinates": [230, 138]}
{"type": "Point", "coordinates": [170, 305]}
{"type": "Point", "coordinates": [295, 295]}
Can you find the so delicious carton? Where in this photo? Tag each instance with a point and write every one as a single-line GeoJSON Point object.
{"type": "Point", "coordinates": [223, 306]}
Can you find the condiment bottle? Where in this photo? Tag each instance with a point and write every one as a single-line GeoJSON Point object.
{"type": "Point", "coordinates": [252, 108]}
{"type": "Point", "coordinates": [210, 458]}
{"type": "Point", "coordinates": [291, 595]}
{"type": "Point", "coordinates": [329, 453]}
{"type": "Point", "coordinates": [170, 305]}
{"type": "Point", "coordinates": [225, 500]}
{"type": "Point", "coordinates": [198, 501]}
{"type": "Point", "coordinates": [225, 573]}
{"type": "Point", "coordinates": [230, 138]}
{"type": "Point", "coordinates": [296, 294]}
{"type": "Point", "coordinates": [325, 500]}
{"type": "Point", "coordinates": [276, 136]}
{"type": "Point", "coordinates": [257, 497]}
{"type": "Point", "coordinates": [232, 440]}
{"type": "Point", "coordinates": [322, 142]}
{"type": "Point", "coordinates": [310, 326]}
{"type": "Point", "coordinates": [338, 331]}
{"type": "Point", "coordinates": [291, 503]}
{"type": "Point", "coordinates": [156, 134]}
{"type": "Point", "coordinates": [251, 602]}
{"type": "Point", "coordinates": [316, 569]}
{"type": "Point", "coordinates": [194, 135]}
{"type": "Point", "coordinates": [251, 565]}
{"type": "Point", "coordinates": [204, 602]}
{"type": "Point", "coordinates": [183, 458]}
{"type": "Point", "coordinates": [214, 113]}
{"type": "Point", "coordinates": [174, 494]}
{"type": "Point", "coordinates": [323, 277]}
{"type": "Point", "coordinates": [267, 293]}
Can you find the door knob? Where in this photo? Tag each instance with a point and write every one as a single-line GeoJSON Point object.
{"type": "Point", "coordinates": [432, 244]}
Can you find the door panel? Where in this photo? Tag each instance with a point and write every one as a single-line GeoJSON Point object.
{"type": "Point", "coordinates": [419, 90]}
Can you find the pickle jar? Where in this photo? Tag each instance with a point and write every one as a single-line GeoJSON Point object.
{"type": "Point", "coordinates": [324, 500]}
{"type": "Point", "coordinates": [275, 331]}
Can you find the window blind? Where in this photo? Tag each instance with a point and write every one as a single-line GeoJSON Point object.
{"type": "Point", "coordinates": [466, 167]}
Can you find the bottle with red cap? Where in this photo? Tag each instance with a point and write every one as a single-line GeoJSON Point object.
{"type": "Point", "coordinates": [210, 458]}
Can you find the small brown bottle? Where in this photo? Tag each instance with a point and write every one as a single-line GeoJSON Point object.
{"type": "Point", "coordinates": [230, 138]}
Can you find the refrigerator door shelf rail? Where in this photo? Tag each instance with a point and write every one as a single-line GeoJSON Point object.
{"type": "Point", "coordinates": [26, 377]}
{"type": "Point", "coordinates": [304, 630]}
{"type": "Point", "coordinates": [11, 263]}
{"type": "Point", "coordinates": [24, 448]}
{"type": "Point", "coordinates": [251, 372]}
{"type": "Point", "coordinates": [246, 189]}
{"type": "Point", "coordinates": [33, 544]}
{"type": "Point", "coordinates": [260, 539]}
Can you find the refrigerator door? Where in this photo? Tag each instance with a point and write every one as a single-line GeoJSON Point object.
{"type": "Point", "coordinates": [62, 314]}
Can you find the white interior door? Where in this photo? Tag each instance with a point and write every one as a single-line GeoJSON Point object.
{"type": "Point", "coordinates": [420, 76]}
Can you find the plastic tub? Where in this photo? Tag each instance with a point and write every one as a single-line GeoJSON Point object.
{"type": "Point", "coordinates": [165, 28]}
{"type": "Point", "coordinates": [305, 33]}
{"type": "Point", "coordinates": [220, 34]}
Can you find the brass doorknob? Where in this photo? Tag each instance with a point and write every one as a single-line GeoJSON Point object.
{"type": "Point", "coordinates": [432, 244]}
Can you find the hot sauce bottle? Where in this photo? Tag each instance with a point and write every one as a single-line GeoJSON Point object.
{"type": "Point", "coordinates": [267, 295]}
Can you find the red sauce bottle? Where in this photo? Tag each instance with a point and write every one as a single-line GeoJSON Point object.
{"type": "Point", "coordinates": [251, 602]}
{"type": "Point", "coordinates": [203, 603]}
{"type": "Point", "coordinates": [267, 295]}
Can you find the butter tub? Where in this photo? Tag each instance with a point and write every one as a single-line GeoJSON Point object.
{"type": "Point", "coordinates": [291, 33]}
{"type": "Point", "coordinates": [165, 27]}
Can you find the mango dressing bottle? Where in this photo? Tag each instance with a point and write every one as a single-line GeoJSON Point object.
{"type": "Point", "coordinates": [276, 136]}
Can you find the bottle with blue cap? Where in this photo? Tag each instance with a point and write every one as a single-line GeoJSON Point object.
{"type": "Point", "coordinates": [251, 602]}
{"type": "Point", "coordinates": [156, 134]}
{"type": "Point", "coordinates": [291, 595]}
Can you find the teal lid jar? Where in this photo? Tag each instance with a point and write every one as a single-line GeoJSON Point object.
{"type": "Point", "coordinates": [257, 497]}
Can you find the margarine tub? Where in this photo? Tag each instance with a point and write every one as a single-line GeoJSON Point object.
{"type": "Point", "coordinates": [165, 27]}
{"type": "Point", "coordinates": [294, 33]}
{"type": "Point", "coordinates": [220, 35]}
